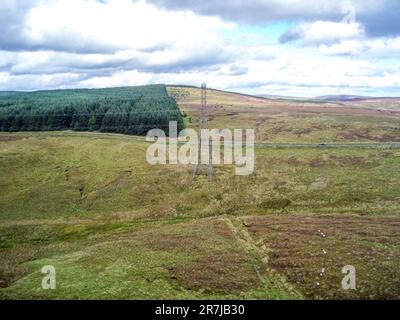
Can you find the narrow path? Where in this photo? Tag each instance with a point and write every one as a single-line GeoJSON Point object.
{"type": "Point", "coordinates": [259, 254]}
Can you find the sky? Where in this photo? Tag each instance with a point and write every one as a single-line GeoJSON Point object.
{"type": "Point", "coordinates": [291, 48]}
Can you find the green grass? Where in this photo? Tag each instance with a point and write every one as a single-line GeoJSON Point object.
{"type": "Point", "coordinates": [145, 261]}
{"type": "Point", "coordinates": [116, 227]}
{"type": "Point", "coordinates": [86, 175]}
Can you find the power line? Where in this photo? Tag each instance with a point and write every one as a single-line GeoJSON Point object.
{"type": "Point", "coordinates": [94, 114]}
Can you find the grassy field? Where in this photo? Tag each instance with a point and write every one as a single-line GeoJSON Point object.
{"type": "Point", "coordinates": [116, 227]}
{"type": "Point", "coordinates": [286, 121]}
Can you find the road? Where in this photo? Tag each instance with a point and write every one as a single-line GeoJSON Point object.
{"type": "Point", "coordinates": [330, 145]}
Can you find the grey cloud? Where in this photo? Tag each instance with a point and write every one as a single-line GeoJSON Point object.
{"type": "Point", "coordinates": [379, 17]}
{"type": "Point", "coordinates": [238, 69]}
{"type": "Point", "coordinates": [194, 61]}
{"type": "Point", "coordinates": [384, 22]}
{"type": "Point", "coordinates": [12, 18]}
{"type": "Point", "coordinates": [50, 63]}
{"type": "Point", "coordinates": [255, 11]}
{"type": "Point", "coordinates": [69, 63]}
{"type": "Point", "coordinates": [235, 69]}
{"type": "Point", "coordinates": [292, 34]}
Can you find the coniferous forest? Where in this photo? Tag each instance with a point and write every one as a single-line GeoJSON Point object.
{"type": "Point", "coordinates": [129, 110]}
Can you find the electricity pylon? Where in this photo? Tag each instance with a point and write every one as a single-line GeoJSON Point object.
{"type": "Point", "coordinates": [203, 124]}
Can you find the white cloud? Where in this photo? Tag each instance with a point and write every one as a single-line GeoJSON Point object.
{"type": "Point", "coordinates": [260, 11]}
{"type": "Point", "coordinates": [346, 47]}
{"type": "Point", "coordinates": [376, 48]}
{"type": "Point", "coordinates": [324, 32]}
{"type": "Point", "coordinates": [86, 43]}
{"type": "Point", "coordinates": [120, 78]}
{"type": "Point", "coordinates": [115, 25]}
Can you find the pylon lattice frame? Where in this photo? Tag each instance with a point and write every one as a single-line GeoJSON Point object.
{"type": "Point", "coordinates": [203, 124]}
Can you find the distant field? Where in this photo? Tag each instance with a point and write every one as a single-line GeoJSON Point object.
{"type": "Point", "coordinates": [287, 121]}
{"type": "Point", "coordinates": [116, 227]}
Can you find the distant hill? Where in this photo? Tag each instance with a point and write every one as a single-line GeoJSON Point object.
{"type": "Point", "coordinates": [344, 98]}
{"type": "Point", "coordinates": [327, 98]}
{"type": "Point", "coordinates": [278, 97]}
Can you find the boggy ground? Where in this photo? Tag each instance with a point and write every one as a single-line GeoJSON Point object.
{"type": "Point", "coordinates": [270, 257]}
{"type": "Point", "coordinates": [311, 252]}
{"type": "Point", "coordinates": [116, 227]}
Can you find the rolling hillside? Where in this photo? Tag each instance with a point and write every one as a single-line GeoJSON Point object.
{"type": "Point", "coordinates": [302, 121]}
{"type": "Point", "coordinates": [116, 227]}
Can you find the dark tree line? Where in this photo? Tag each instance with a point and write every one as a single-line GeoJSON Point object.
{"type": "Point", "coordinates": [130, 110]}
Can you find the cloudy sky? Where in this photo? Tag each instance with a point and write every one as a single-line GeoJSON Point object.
{"type": "Point", "coordinates": [291, 47]}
